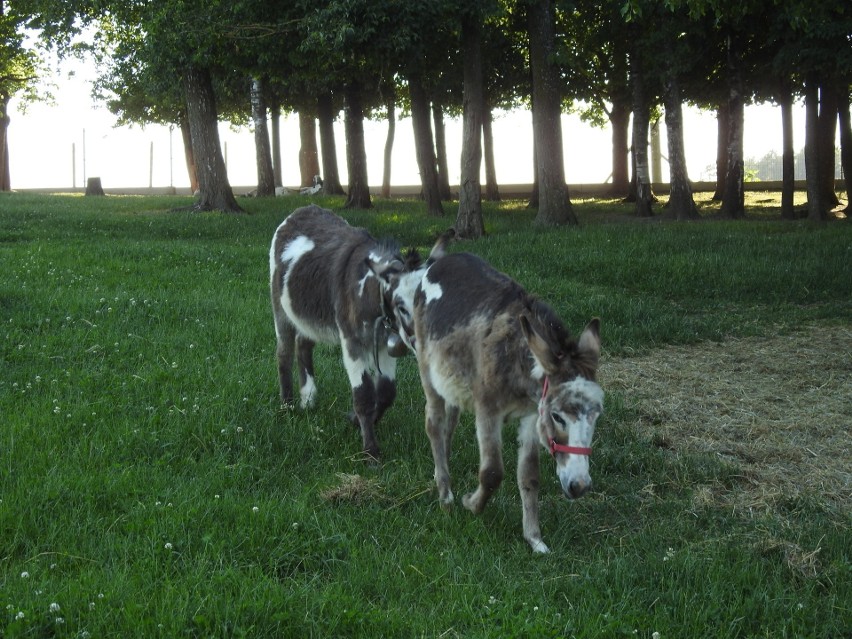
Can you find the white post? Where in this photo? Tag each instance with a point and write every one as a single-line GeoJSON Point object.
{"type": "Point", "coordinates": [73, 165]}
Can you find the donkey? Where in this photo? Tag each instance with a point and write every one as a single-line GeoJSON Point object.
{"type": "Point", "coordinates": [484, 344]}
{"type": "Point", "coordinates": [331, 282]}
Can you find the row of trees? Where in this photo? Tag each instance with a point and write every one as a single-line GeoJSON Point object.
{"type": "Point", "coordinates": [194, 62]}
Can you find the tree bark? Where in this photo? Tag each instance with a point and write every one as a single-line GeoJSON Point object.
{"type": "Point", "coordinates": [330, 173]}
{"type": "Point", "coordinates": [733, 197]}
{"type": "Point", "coordinates": [275, 123]}
{"type": "Point", "coordinates": [308, 153]}
{"type": "Point", "coordinates": [619, 118]}
{"type": "Point", "coordinates": [492, 190]}
{"type": "Point", "coordinates": [386, 173]}
{"type": "Point", "coordinates": [356, 152]}
{"type": "Point", "coordinates": [641, 123]}
{"type": "Point", "coordinates": [469, 222]}
{"type": "Point", "coordinates": [94, 186]}
{"type": "Point", "coordinates": [827, 134]}
{"type": "Point", "coordinates": [441, 151]}
{"type": "Point", "coordinates": [788, 159]}
{"type": "Point", "coordinates": [554, 203]}
{"type": "Point", "coordinates": [5, 178]}
{"type": "Point", "coordinates": [263, 150]}
{"type": "Point", "coordinates": [816, 207]}
{"type": "Point", "coordinates": [215, 191]}
{"type": "Point", "coordinates": [424, 146]}
{"type": "Point", "coordinates": [846, 145]}
{"type": "Point", "coordinates": [189, 156]}
{"type": "Point", "coordinates": [681, 204]}
{"type": "Point", "coordinates": [723, 127]}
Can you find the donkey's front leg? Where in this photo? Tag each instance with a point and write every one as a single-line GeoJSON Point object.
{"type": "Point", "coordinates": [286, 339]}
{"type": "Point", "coordinates": [489, 436]}
{"type": "Point", "coordinates": [528, 481]}
{"type": "Point", "coordinates": [363, 399]}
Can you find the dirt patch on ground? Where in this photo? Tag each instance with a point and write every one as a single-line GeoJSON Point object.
{"type": "Point", "coordinates": [779, 408]}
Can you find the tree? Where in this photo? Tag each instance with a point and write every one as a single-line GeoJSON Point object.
{"type": "Point", "coordinates": [469, 222]}
{"type": "Point", "coordinates": [18, 72]}
{"type": "Point", "coordinates": [422, 123]}
{"type": "Point", "coordinates": [554, 205]}
{"type": "Point", "coordinates": [265, 174]}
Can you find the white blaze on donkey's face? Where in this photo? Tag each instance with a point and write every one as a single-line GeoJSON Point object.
{"type": "Point", "coordinates": [569, 413]}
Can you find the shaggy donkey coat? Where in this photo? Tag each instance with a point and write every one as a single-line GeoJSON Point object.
{"type": "Point", "coordinates": [333, 283]}
{"type": "Point", "coordinates": [485, 345]}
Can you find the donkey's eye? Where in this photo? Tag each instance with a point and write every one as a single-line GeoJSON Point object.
{"type": "Point", "coordinates": [558, 419]}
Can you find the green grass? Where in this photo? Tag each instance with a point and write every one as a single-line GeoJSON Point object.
{"type": "Point", "coordinates": [151, 486]}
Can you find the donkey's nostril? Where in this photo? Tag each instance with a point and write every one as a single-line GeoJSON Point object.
{"type": "Point", "coordinates": [577, 488]}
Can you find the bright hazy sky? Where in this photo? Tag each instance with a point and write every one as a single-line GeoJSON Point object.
{"type": "Point", "coordinates": [43, 141]}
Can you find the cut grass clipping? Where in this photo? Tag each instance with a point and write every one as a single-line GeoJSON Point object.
{"type": "Point", "coordinates": [778, 408]}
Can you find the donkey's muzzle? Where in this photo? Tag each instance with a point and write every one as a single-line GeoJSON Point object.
{"type": "Point", "coordinates": [576, 488]}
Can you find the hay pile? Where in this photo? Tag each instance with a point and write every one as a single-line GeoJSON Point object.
{"type": "Point", "coordinates": [779, 408]}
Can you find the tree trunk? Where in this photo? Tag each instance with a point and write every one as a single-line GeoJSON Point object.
{"type": "Point", "coordinates": [188, 155]}
{"type": "Point", "coordinates": [733, 197]}
{"type": "Point", "coordinates": [827, 134]}
{"type": "Point", "coordinates": [94, 186]}
{"type": "Point", "coordinates": [816, 207]}
{"type": "Point", "coordinates": [492, 190]}
{"type": "Point", "coordinates": [641, 175]}
{"type": "Point", "coordinates": [788, 159]}
{"type": "Point", "coordinates": [330, 173]}
{"type": "Point", "coordinates": [356, 152]}
{"type": "Point", "coordinates": [533, 203]}
{"type": "Point", "coordinates": [308, 154]}
{"type": "Point", "coordinates": [846, 145]}
{"type": "Point", "coordinates": [424, 145]}
{"type": "Point", "coordinates": [263, 151]}
{"type": "Point", "coordinates": [681, 204]}
{"type": "Point", "coordinates": [554, 204]}
{"type": "Point", "coordinates": [619, 119]}
{"type": "Point", "coordinates": [656, 153]}
{"type": "Point", "coordinates": [386, 173]}
{"type": "Point", "coordinates": [5, 179]}
{"type": "Point", "coordinates": [723, 127]}
{"type": "Point", "coordinates": [215, 191]}
{"type": "Point", "coordinates": [441, 151]}
{"type": "Point", "coordinates": [275, 121]}
{"type": "Point", "coordinates": [469, 221]}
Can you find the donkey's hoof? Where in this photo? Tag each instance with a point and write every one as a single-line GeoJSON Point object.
{"type": "Point", "coordinates": [538, 546]}
{"type": "Point", "coordinates": [352, 418]}
{"type": "Point", "coordinates": [473, 504]}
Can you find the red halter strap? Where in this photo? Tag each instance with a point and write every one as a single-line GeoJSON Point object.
{"type": "Point", "coordinates": [554, 446]}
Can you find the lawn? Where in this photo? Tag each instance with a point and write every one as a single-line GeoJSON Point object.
{"type": "Point", "coordinates": [151, 485]}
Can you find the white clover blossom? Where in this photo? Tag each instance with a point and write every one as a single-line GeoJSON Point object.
{"type": "Point", "coordinates": [54, 607]}
{"type": "Point", "coordinates": [168, 545]}
{"type": "Point", "coordinates": [25, 575]}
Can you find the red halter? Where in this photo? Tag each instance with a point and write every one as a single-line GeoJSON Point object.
{"type": "Point", "coordinates": [554, 446]}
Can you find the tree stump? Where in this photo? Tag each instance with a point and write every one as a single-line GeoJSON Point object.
{"type": "Point", "coordinates": [93, 186]}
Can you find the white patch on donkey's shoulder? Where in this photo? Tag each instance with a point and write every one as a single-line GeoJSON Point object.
{"type": "Point", "coordinates": [432, 290]}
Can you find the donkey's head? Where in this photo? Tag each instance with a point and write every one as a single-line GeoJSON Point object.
{"type": "Point", "coordinates": [571, 400]}
{"type": "Point", "coordinates": [400, 279]}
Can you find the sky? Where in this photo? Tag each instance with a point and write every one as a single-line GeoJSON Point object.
{"type": "Point", "coordinates": [59, 145]}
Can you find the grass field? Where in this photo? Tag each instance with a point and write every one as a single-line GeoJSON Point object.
{"type": "Point", "coordinates": [152, 486]}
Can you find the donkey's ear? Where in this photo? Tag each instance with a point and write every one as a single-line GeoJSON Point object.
{"type": "Point", "coordinates": [546, 354]}
{"type": "Point", "coordinates": [590, 339]}
{"type": "Point", "coordinates": [439, 250]}
{"type": "Point", "coordinates": [385, 268]}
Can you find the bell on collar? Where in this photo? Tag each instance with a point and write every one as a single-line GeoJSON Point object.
{"type": "Point", "coordinates": [396, 347]}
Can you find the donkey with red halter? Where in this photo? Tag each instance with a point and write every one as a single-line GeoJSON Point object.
{"type": "Point", "coordinates": [484, 344]}
{"type": "Point", "coordinates": [334, 283]}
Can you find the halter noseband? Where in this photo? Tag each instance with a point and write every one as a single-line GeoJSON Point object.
{"type": "Point", "coordinates": [555, 447]}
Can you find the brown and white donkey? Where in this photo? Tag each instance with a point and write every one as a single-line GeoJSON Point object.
{"type": "Point", "coordinates": [484, 344]}
{"type": "Point", "coordinates": [334, 283]}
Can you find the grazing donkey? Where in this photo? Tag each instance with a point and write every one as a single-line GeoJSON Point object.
{"type": "Point", "coordinates": [485, 344]}
{"type": "Point", "coordinates": [334, 283]}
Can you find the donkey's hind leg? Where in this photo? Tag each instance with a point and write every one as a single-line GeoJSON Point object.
{"type": "Point", "coordinates": [307, 386]}
{"type": "Point", "coordinates": [489, 437]}
{"type": "Point", "coordinates": [285, 333]}
{"type": "Point", "coordinates": [441, 421]}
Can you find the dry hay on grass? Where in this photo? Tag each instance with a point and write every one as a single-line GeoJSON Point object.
{"type": "Point", "coordinates": [779, 408]}
{"type": "Point", "coordinates": [353, 489]}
